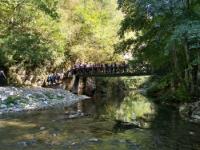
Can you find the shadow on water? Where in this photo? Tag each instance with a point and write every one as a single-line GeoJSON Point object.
{"type": "Point", "coordinates": [171, 132]}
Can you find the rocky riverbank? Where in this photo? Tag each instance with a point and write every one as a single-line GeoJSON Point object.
{"type": "Point", "coordinates": [190, 111]}
{"type": "Point", "coordinates": [13, 99]}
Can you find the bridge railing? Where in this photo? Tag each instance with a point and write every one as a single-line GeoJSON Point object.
{"type": "Point", "coordinates": [108, 69]}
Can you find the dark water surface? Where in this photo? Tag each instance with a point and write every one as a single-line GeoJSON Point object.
{"type": "Point", "coordinates": [52, 130]}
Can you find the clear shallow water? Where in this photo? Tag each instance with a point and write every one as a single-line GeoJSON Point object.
{"type": "Point", "coordinates": [52, 130]}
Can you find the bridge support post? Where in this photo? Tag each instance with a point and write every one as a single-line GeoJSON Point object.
{"type": "Point", "coordinates": [75, 85]}
{"type": "Point", "coordinates": [82, 85]}
{"type": "Point", "coordinates": [79, 85]}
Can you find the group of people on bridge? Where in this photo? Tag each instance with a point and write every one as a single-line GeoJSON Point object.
{"type": "Point", "coordinates": [54, 78]}
{"type": "Point", "coordinates": [92, 69]}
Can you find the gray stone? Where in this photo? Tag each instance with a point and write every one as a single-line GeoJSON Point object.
{"type": "Point", "coordinates": [191, 133]}
{"type": "Point", "coordinates": [23, 143]}
{"type": "Point", "coordinates": [197, 117]}
{"type": "Point", "coordinates": [11, 105]}
{"type": "Point", "coordinates": [190, 111]}
{"type": "Point", "coordinates": [93, 140]}
{"type": "Point", "coordinates": [133, 117]}
{"type": "Point", "coordinates": [3, 106]}
{"type": "Point", "coordinates": [42, 128]}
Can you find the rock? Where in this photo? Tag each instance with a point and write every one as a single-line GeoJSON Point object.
{"type": "Point", "coordinates": [133, 117]}
{"type": "Point", "coordinates": [27, 143]}
{"type": "Point", "coordinates": [93, 140]}
{"type": "Point", "coordinates": [74, 143]}
{"type": "Point", "coordinates": [3, 106]}
{"type": "Point", "coordinates": [23, 143]}
{"type": "Point", "coordinates": [2, 97]}
{"type": "Point", "coordinates": [191, 133]}
{"type": "Point", "coordinates": [190, 111]}
{"type": "Point", "coordinates": [45, 102]}
{"type": "Point", "coordinates": [196, 117]}
{"type": "Point", "coordinates": [122, 141]}
{"type": "Point", "coordinates": [11, 93]}
{"type": "Point", "coordinates": [42, 128]}
{"type": "Point", "coordinates": [11, 105]}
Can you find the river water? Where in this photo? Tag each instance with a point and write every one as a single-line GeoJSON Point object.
{"type": "Point", "coordinates": [53, 130]}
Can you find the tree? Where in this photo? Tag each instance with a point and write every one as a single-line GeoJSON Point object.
{"type": "Point", "coordinates": [161, 36]}
{"type": "Point", "coordinates": [91, 29]}
{"type": "Point", "coordinates": [29, 35]}
{"type": "Point", "coordinates": [42, 36]}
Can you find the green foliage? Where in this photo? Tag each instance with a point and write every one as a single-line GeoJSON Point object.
{"type": "Point", "coordinates": [134, 104]}
{"type": "Point", "coordinates": [159, 85]}
{"type": "Point", "coordinates": [182, 94]}
{"type": "Point", "coordinates": [161, 89]}
{"type": "Point", "coordinates": [12, 100]}
{"type": "Point", "coordinates": [49, 34]}
{"type": "Point", "coordinates": [30, 36]}
{"type": "Point", "coordinates": [164, 34]}
{"type": "Point", "coordinates": [91, 30]}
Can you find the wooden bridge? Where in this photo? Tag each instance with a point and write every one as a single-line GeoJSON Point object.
{"type": "Point", "coordinates": [108, 70]}
{"type": "Point", "coordinates": [81, 72]}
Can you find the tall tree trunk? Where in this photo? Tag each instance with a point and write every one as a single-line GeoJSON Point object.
{"type": "Point", "coordinates": [176, 70]}
{"type": "Point", "coordinates": [198, 74]}
{"type": "Point", "coordinates": [187, 70]}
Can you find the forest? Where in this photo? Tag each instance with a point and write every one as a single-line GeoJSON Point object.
{"type": "Point", "coordinates": [166, 35]}
{"type": "Point", "coordinates": [38, 37]}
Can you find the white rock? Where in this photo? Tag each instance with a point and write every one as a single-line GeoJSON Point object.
{"type": "Point", "coordinates": [45, 102]}
{"type": "Point", "coordinates": [11, 93]}
{"type": "Point", "coordinates": [3, 106]}
{"type": "Point", "coordinates": [93, 140]}
{"type": "Point", "coordinates": [191, 133]}
{"type": "Point", "coordinates": [133, 117]}
{"type": "Point", "coordinates": [196, 117]}
{"type": "Point", "coordinates": [42, 128]}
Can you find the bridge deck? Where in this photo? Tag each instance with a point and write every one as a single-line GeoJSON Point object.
{"type": "Point", "coordinates": [113, 75]}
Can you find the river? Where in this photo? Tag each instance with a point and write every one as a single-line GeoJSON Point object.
{"type": "Point", "coordinates": [50, 129]}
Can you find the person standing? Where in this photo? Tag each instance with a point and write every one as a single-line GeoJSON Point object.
{"type": "Point", "coordinates": [2, 78]}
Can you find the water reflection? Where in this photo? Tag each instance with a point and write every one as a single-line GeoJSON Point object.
{"type": "Point", "coordinates": [132, 108]}
{"type": "Point", "coordinates": [135, 107]}
{"type": "Point", "coordinates": [52, 130]}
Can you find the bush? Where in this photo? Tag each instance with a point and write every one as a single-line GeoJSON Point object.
{"type": "Point", "coordinates": [161, 90]}
{"type": "Point", "coordinates": [12, 100]}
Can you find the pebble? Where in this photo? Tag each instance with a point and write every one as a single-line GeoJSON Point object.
{"type": "Point", "coordinates": [42, 128]}
{"type": "Point", "coordinates": [93, 140]}
{"type": "Point", "coordinates": [122, 141]}
{"type": "Point", "coordinates": [74, 143]}
{"type": "Point", "coordinates": [3, 106]}
{"type": "Point", "coordinates": [23, 143]}
{"type": "Point", "coordinates": [11, 105]}
{"type": "Point", "coordinates": [191, 133]}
